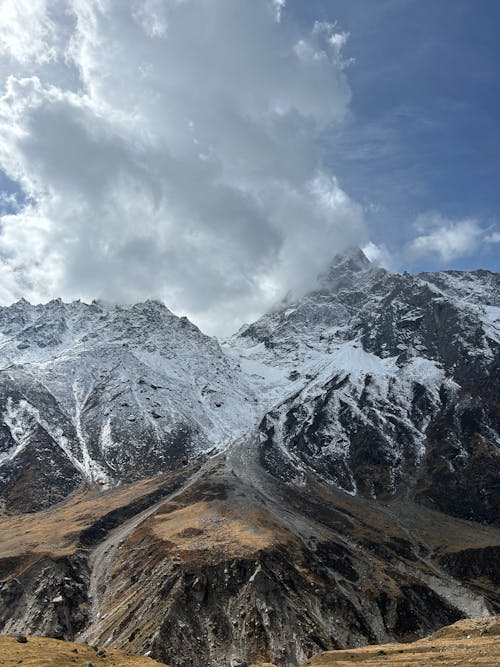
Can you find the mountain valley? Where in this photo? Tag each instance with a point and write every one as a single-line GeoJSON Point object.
{"type": "Point", "coordinates": [327, 478]}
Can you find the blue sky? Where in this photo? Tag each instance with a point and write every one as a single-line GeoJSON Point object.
{"type": "Point", "coordinates": [424, 132]}
{"type": "Point", "coordinates": [229, 155]}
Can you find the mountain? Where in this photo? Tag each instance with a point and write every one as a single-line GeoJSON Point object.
{"type": "Point", "coordinates": [328, 477]}
{"type": "Point", "coordinates": [99, 394]}
{"type": "Point", "coordinates": [386, 385]}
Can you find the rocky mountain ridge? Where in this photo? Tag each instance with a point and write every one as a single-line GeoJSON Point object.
{"type": "Point", "coordinates": [385, 372]}
{"type": "Point", "coordinates": [108, 394]}
{"type": "Point", "coordinates": [327, 478]}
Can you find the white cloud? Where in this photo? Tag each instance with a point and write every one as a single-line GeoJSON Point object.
{"type": "Point", "coordinates": [336, 40]}
{"type": "Point", "coordinates": [446, 239]}
{"type": "Point", "coordinates": [169, 149]}
{"type": "Point", "coordinates": [493, 237]}
{"type": "Point", "coordinates": [380, 255]}
{"type": "Point", "coordinates": [152, 15]}
{"type": "Point", "coordinates": [20, 19]}
{"type": "Point", "coordinates": [279, 6]}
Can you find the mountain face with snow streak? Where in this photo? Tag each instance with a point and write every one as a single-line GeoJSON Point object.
{"type": "Point", "coordinates": [380, 383]}
{"type": "Point", "coordinates": [393, 385]}
{"type": "Point", "coordinates": [328, 477]}
{"type": "Point", "coordinates": [98, 394]}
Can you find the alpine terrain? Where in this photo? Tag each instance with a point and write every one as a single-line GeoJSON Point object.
{"type": "Point", "coordinates": [328, 478]}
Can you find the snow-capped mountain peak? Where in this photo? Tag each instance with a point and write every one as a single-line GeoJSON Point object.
{"type": "Point", "coordinates": [360, 369]}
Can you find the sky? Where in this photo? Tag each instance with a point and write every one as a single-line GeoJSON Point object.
{"type": "Point", "coordinates": [217, 154]}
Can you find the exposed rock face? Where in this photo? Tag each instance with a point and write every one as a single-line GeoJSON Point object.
{"type": "Point", "coordinates": [387, 393]}
{"type": "Point", "coordinates": [101, 394]}
{"type": "Point", "coordinates": [328, 478]}
{"type": "Point", "coordinates": [50, 597]}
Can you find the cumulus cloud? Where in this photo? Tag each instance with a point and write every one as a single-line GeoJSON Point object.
{"type": "Point", "coordinates": [169, 149]}
{"type": "Point", "coordinates": [446, 239]}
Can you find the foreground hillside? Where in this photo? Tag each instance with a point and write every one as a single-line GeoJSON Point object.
{"type": "Point", "coordinates": [464, 643]}
{"type": "Point", "coordinates": [42, 652]}
{"type": "Point", "coordinates": [224, 562]}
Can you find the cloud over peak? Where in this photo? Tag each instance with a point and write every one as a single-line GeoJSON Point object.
{"type": "Point", "coordinates": [169, 149]}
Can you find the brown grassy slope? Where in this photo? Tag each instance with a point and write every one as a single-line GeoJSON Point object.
{"type": "Point", "coordinates": [42, 652]}
{"type": "Point", "coordinates": [198, 530]}
{"type": "Point", "coordinates": [56, 531]}
{"type": "Point", "coordinates": [218, 526]}
{"type": "Point", "coordinates": [440, 532]}
{"type": "Point", "coordinates": [469, 642]}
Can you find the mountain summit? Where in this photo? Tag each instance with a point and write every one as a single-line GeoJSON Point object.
{"type": "Point", "coordinates": [327, 478]}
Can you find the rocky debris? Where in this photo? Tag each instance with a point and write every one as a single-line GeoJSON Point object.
{"type": "Point", "coordinates": [50, 597]}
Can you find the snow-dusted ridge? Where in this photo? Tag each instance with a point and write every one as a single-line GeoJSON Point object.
{"type": "Point", "coordinates": [102, 393]}
{"type": "Point", "coordinates": [119, 392]}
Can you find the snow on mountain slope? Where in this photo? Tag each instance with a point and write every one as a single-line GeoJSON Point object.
{"type": "Point", "coordinates": [118, 393]}
{"type": "Point", "coordinates": [384, 379]}
{"type": "Point", "coordinates": [375, 381]}
{"type": "Point", "coordinates": [339, 423]}
{"type": "Point", "coordinates": [476, 292]}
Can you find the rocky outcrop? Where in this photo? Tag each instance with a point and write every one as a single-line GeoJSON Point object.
{"type": "Point", "coordinates": [49, 598]}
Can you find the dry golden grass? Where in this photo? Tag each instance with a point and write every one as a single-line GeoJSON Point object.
{"type": "Point", "coordinates": [55, 531]}
{"type": "Point", "coordinates": [192, 525]}
{"type": "Point", "coordinates": [42, 652]}
{"type": "Point", "coordinates": [210, 528]}
{"type": "Point", "coordinates": [470, 642]}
